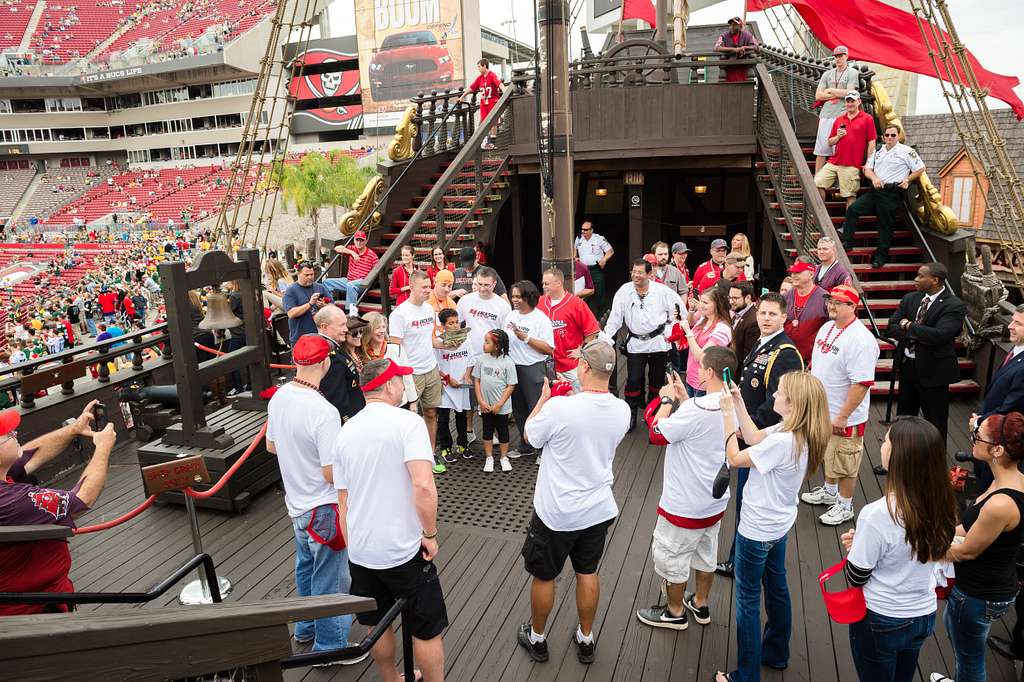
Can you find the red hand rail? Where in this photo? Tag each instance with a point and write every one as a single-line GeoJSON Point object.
{"type": "Point", "coordinates": [217, 352]}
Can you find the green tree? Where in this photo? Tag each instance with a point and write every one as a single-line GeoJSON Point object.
{"type": "Point", "coordinates": [320, 181]}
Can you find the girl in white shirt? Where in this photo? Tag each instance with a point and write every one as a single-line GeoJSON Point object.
{"type": "Point", "coordinates": [893, 553]}
{"type": "Point", "coordinates": [780, 458]}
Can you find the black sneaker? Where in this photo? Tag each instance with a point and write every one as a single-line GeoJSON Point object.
{"type": "Point", "coordinates": [659, 617]}
{"type": "Point", "coordinates": [584, 650]}
{"type": "Point", "coordinates": [726, 569]}
{"type": "Point", "coordinates": [538, 652]}
{"type": "Point", "coordinates": [702, 614]}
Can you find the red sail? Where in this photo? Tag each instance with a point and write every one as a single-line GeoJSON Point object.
{"type": "Point", "coordinates": [639, 9]}
{"type": "Point", "coordinates": [876, 32]}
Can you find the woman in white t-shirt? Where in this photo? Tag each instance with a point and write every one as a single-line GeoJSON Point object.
{"type": "Point", "coordinates": [531, 342]}
{"type": "Point", "coordinates": [893, 552]}
{"type": "Point", "coordinates": [780, 458]}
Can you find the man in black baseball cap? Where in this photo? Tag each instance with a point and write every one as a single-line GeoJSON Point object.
{"type": "Point", "coordinates": [465, 272]}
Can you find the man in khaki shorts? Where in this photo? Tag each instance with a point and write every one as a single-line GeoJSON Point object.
{"type": "Point", "coordinates": [844, 357]}
{"type": "Point", "coordinates": [412, 325]}
{"type": "Point", "coordinates": [853, 138]}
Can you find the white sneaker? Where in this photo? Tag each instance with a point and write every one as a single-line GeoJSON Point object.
{"type": "Point", "coordinates": [836, 515]}
{"type": "Point", "coordinates": [470, 437]}
{"type": "Point", "coordinates": [514, 454]}
{"type": "Point", "coordinates": [506, 465]}
{"type": "Point", "coordinates": [939, 677]}
{"type": "Point", "coordinates": [488, 464]}
{"type": "Point", "coordinates": [820, 496]}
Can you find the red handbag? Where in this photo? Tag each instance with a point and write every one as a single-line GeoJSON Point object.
{"type": "Point", "coordinates": [847, 606]}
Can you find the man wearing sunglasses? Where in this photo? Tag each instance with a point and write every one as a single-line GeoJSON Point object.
{"type": "Point", "coordinates": [44, 565]}
{"type": "Point", "coordinates": [890, 169]}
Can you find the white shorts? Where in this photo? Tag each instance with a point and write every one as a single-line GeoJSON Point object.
{"type": "Point", "coordinates": [676, 550]}
{"type": "Point", "coordinates": [821, 146]}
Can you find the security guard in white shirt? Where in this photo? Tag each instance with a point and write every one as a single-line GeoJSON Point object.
{"type": "Point", "coordinates": [594, 251]}
{"type": "Point", "coordinates": [890, 169]}
{"type": "Point", "coordinates": [648, 310]}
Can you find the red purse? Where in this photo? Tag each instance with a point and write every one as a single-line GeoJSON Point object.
{"type": "Point", "coordinates": [847, 606]}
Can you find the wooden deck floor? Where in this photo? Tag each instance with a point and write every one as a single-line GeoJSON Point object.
{"type": "Point", "coordinates": [486, 589]}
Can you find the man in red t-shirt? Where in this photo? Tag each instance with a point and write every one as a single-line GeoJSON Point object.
{"type": "Point", "coordinates": [44, 565]}
{"type": "Point", "coordinates": [489, 86]}
{"type": "Point", "coordinates": [108, 304]}
{"type": "Point", "coordinates": [853, 137]}
{"type": "Point", "coordinates": [571, 320]}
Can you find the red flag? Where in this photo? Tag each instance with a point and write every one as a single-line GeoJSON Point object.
{"type": "Point", "coordinates": [876, 32]}
{"type": "Point", "coordinates": [639, 9]}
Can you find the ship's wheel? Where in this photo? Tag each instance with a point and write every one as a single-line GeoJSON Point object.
{"type": "Point", "coordinates": [639, 58]}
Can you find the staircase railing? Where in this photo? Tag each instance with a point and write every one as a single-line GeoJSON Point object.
{"type": "Point", "coordinates": [807, 218]}
{"type": "Point", "coordinates": [442, 200]}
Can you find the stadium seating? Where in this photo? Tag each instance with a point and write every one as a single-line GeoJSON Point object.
{"type": "Point", "coordinates": [13, 184]}
{"type": "Point", "coordinates": [70, 29]}
{"type": "Point", "coordinates": [14, 18]}
{"type": "Point", "coordinates": [58, 187]}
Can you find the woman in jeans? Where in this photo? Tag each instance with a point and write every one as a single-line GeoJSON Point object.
{"type": "Point", "coordinates": [780, 458]}
{"type": "Point", "coordinates": [892, 553]}
{"type": "Point", "coordinates": [985, 547]}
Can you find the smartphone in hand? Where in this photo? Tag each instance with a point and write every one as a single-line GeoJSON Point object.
{"type": "Point", "coordinates": [99, 417]}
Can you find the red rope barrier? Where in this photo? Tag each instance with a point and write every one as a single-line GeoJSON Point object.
{"type": "Point", "coordinates": [217, 352]}
{"type": "Point", "coordinates": [188, 491]}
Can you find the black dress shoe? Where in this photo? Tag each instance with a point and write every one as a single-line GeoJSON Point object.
{"type": "Point", "coordinates": [879, 470]}
{"type": "Point", "coordinates": [725, 569]}
{"type": "Point", "coordinates": [632, 421]}
{"type": "Point", "coordinates": [1004, 648]}
{"type": "Point", "coordinates": [877, 262]}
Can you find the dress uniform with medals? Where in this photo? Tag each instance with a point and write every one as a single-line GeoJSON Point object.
{"type": "Point", "coordinates": [341, 383]}
{"type": "Point", "coordinates": [891, 165]}
{"type": "Point", "coordinates": [763, 367]}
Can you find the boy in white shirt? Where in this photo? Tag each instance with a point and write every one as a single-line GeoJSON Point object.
{"type": "Point", "coordinates": [456, 368]}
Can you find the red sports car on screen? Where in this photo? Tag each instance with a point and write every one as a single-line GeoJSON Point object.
{"type": "Point", "coordinates": [407, 63]}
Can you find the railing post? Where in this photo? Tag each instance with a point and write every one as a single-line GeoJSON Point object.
{"type": "Point", "coordinates": [28, 400]}
{"type": "Point", "coordinates": [432, 123]}
{"type": "Point", "coordinates": [137, 360]}
{"type": "Point", "coordinates": [417, 142]}
{"type": "Point", "coordinates": [104, 370]}
{"type": "Point", "coordinates": [442, 138]}
{"type": "Point", "coordinates": [472, 116]}
{"type": "Point", "coordinates": [442, 233]}
{"type": "Point", "coordinates": [68, 387]}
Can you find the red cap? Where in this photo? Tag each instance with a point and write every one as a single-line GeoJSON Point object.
{"type": "Point", "coordinates": [359, 235]}
{"type": "Point", "coordinates": [561, 387]}
{"type": "Point", "coordinates": [310, 349]}
{"type": "Point", "coordinates": [393, 370]}
{"type": "Point", "coordinates": [651, 258]}
{"type": "Point", "coordinates": [844, 293]}
{"type": "Point", "coordinates": [801, 266]}
{"type": "Point", "coordinates": [9, 420]}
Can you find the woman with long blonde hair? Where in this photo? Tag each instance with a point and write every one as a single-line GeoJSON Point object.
{"type": "Point", "coordinates": [276, 280]}
{"type": "Point", "coordinates": [780, 459]}
{"type": "Point", "coordinates": [741, 245]}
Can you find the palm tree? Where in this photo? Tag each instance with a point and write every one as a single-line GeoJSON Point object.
{"type": "Point", "coordinates": [317, 182]}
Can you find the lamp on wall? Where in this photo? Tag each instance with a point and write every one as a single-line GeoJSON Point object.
{"type": "Point", "coordinates": [601, 190]}
{"type": "Point", "coordinates": [700, 189]}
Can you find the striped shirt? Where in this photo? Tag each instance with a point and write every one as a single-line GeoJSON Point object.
{"type": "Point", "coordinates": [359, 269]}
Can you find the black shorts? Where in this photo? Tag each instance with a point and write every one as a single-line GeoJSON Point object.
{"type": "Point", "coordinates": [425, 614]}
{"type": "Point", "coordinates": [545, 550]}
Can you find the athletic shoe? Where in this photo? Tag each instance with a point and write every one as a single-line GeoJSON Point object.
{"type": "Point", "coordinates": [506, 465]}
{"type": "Point", "coordinates": [470, 437]}
{"type": "Point", "coordinates": [538, 651]}
{"type": "Point", "coordinates": [448, 457]}
{"type": "Point", "coordinates": [820, 496]}
{"type": "Point", "coordinates": [514, 454]}
{"type": "Point", "coordinates": [701, 614]}
{"type": "Point", "coordinates": [439, 467]}
{"type": "Point", "coordinates": [837, 514]}
{"type": "Point", "coordinates": [488, 465]}
{"type": "Point", "coordinates": [348, 661]}
{"type": "Point", "coordinates": [939, 677]}
{"type": "Point", "coordinates": [584, 650]}
{"type": "Point", "coordinates": [726, 569]}
{"type": "Point", "coordinates": [464, 451]}
{"type": "Point", "coordinates": [659, 617]}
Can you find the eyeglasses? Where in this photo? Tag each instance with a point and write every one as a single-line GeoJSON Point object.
{"type": "Point", "coordinates": [976, 436]}
{"type": "Point", "coordinates": [890, 135]}
{"type": "Point", "coordinates": [11, 435]}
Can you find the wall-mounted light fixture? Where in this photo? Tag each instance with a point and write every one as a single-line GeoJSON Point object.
{"type": "Point", "coordinates": [700, 189]}
{"type": "Point", "coordinates": [601, 190]}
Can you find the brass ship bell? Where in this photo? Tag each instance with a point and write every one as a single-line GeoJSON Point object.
{"type": "Point", "coordinates": [218, 314]}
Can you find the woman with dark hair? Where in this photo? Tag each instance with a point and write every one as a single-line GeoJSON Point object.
{"type": "Point", "coordinates": [438, 262]}
{"type": "Point", "coordinates": [531, 343]}
{"type": "Point", "coordinates": [984, 550]}
{"type": "Point", "coordinates": [893, 552]}
{"type": "Point", "coordinates": [711, 325]}
{"type": "Point", "coordinates": [400, 283]}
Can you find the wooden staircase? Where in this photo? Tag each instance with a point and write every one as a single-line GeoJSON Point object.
{"type": "Point", "coordinates": [882, 287]}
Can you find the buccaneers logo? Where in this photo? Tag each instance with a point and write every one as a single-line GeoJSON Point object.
{"type": "Point", "coordinates": [336, 84]}
{"type": "Point", "coordinates": [53, 502]}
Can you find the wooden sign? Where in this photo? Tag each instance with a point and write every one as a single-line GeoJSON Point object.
{"type": "Point", "coordinates": [177, 475]}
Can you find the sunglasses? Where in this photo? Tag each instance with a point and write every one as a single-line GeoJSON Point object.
{"type": "Point", "coordinates": [890, 135]}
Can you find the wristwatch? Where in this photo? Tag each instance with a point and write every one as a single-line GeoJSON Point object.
{"type": "Point", "coordinates": [665, 400]}
{"type": "Point", "coordinates": [429, 536]}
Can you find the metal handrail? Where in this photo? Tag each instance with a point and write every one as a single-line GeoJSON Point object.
{"type": "Point", "coordinates": [420, 153]}
{"type": "Point", "coordinates": [156, 591]}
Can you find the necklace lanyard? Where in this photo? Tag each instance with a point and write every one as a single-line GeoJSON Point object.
{"type": "Point", "coordinates": [838, 77]}
{"type": "Point", "coordinates": [316, 388]}
{"type": "Point", "coordinates": [826, 347]}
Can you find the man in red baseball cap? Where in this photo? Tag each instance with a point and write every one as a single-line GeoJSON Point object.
{"type": "Point", "coordinates": [805, 308]}
{"type": "Point", "coordinates": [302, 426]}
{"type": "Point", "coordinates": [44, 565]}
{"type": "Point", "coordinates": [361, 260]}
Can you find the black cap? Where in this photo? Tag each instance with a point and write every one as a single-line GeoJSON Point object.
{"type": "Point", "coordinates": [467, 256]}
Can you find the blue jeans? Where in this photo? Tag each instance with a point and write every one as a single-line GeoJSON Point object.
{"type": "Point", "coordinates": [968, 620]}
{"type": "Point", "coordinates": [320, 570]}
{"type": "Point", "coordinates": [90, 324]}
{"type": "Point", "coordinates": [885, 649]}
{"type": "Point", "coordinates": [760, 563]}
{"type": "Point", "coordinates": [695, 392]}
{"type": "Point", "coordinates": [742, 474]}
{"type": "Point", "coordinates": [352, 289]}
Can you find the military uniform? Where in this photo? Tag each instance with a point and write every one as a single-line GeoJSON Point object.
{"type": "Point", "coordinates": [892, 166]}
{"type": "Point", "coordinates": [341, 383]}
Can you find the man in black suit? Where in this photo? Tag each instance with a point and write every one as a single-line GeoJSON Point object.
{"type": "Point", "coordinates": [341, 383]}
{"type": "Point", "coordinates": [744, 319]}
{"type": "Point", "coordinates": [925, 327]}
{"type": "Point", "coordinates": [772, 355]}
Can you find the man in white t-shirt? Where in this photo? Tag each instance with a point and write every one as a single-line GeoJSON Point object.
{"type": "Point", "coordinates": [844, 358]}
{"type": "Point", "coordinates": [689, 515]}
{"type": "Point", "coordinates": [481, 310]}
{"type": "Point", "coordinates": [301, 428]}
{"type": "Point", "coordinates": [383, 470]}
{"type": "Point", "coordinates": [412, 325]}
{"type": "Point", "coordinates": [573, 502]}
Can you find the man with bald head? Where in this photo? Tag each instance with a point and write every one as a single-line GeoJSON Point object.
{"type": "Point", "coordinates": [341, 383]}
